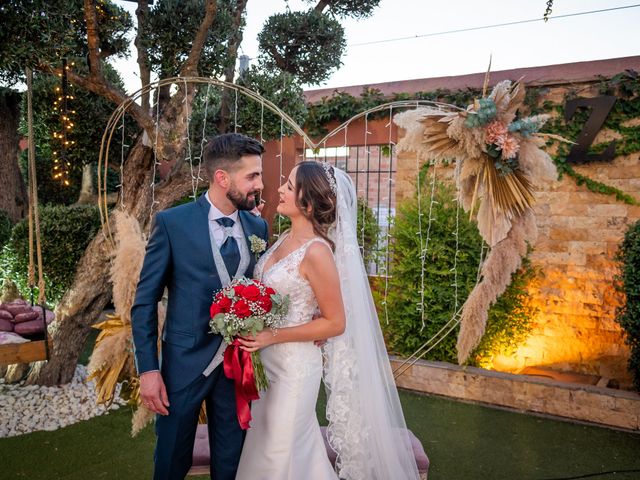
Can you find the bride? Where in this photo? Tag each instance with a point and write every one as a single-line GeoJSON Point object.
{"type": "Point", "coordinates": [318, 264]}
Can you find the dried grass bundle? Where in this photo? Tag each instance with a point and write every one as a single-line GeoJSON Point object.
{"type": "Point", "coordinates": [141, 418]}
{"type": "Point", "coordinates": [112, 359]}
{"type": "Point", "coordinates": [503, 260]}
{"type": "Point", "coordinates": [499, 162]}
{"type": "Point", "coordinates": [109, 357]}
{"type": "Point", "coordinates": [535, 163]}
{"type": "Point", "coordinates": [127, 263]}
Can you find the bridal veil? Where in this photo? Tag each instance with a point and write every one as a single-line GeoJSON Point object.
{"type": "Point", "coordinates": [366, 424]}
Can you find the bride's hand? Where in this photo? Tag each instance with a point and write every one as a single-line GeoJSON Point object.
{"type": "Point", "coordinates": [262, 339]}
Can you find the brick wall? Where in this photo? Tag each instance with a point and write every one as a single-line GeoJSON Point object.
{"type": "Point", "coordinates": [579, 234]}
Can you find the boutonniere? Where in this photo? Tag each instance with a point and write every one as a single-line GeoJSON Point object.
{"type": "Point", "coordinates": [258, 245]}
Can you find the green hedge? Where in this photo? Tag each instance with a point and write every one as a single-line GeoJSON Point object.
{"type": "Point", "coordinates": [628, 316]}
{"type": "Point", "coordinates": [404, 332]}
{"type": "Point", "coordinates": [5, 228]}
{"type": "Point", "coordinates": [65, 233]}
{"type": "Point", "coordinates": [509, 319]}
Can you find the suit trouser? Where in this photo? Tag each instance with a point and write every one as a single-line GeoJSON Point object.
{"type": "Point", "coordinates": [176, 432]}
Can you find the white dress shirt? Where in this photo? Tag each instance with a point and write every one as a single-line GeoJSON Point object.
{"type": "Point", "coordinates": [217, 230]}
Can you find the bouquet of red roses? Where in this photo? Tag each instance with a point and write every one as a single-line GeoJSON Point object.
{"type": "Point", "coordinates": [245, 307]}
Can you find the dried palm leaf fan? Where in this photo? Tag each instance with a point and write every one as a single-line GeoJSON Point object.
{"type": "Point", "coordinates": [35, 350]}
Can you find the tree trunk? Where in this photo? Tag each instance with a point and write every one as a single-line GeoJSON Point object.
{"type": "Point", "coordinates": [143, 62]}
{"type": "Point", "coordinates": [85, 300]}
{"type": "Point", "coordinates": [91, 290]}
{"type": "Point", "coordinates": [83, 303]}
{"type": "Point", "coordinates": [87, 194]}
{"type": "Point", "coordinates": [13, 194]}
{"type": "Point", "coordinates": [229, 74]}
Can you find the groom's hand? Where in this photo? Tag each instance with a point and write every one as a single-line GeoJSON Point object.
{"type": "Point", "coordinates": [153, 393]}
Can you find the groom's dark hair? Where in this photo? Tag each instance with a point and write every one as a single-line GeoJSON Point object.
{"type": "Point", "coordinates": [225, 151]}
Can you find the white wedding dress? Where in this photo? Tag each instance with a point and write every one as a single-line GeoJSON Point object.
{"type": "Point", "coordinates": [284, 441]}
{"type": "Point", "coordinates": [366, 424]}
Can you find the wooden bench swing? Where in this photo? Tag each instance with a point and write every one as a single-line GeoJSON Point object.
{"type": "Point", "coordinates": [34, 350]}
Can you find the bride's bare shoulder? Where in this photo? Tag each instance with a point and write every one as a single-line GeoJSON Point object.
{"type": "Point", "coordinates": [318, 255]}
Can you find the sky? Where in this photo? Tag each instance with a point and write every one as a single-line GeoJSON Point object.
{"type": "Point", "coordinates": [428, 52]}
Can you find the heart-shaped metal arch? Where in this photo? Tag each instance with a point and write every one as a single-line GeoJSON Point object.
{"type": "Point", "coordinates": [118, 114]}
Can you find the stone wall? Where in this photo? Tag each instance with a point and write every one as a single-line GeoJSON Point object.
{"type": "Point", "coordinates": [589, 403]}
{"type": "Point", "coordinates": [579, 234]}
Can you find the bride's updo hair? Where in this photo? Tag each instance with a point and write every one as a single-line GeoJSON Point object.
{"type": "Point", "coordinates": [315, 198]}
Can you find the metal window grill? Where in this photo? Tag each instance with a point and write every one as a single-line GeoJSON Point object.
{"type": "Point", "coordinates": [372, 169]}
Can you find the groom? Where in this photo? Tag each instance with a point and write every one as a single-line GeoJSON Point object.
{"type": "Point", "coordinates": [192, 250]}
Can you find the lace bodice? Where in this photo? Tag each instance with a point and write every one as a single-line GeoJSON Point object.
{"type": "Point", "coordinates": [284, 277]}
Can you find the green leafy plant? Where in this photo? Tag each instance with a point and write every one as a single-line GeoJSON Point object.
{"type": "Point", "coordinates": [283, 46]}
{"type": "Point", "coordinates": [5, 228]}
{"type": "Point", "coordinates": [509, 319]}
{"type": "Point", "coordinates": [404, 332]}
{"type": "Point", "coordinates": [65, 233]}
{"type": "Point", "coordinates": [628, 315]}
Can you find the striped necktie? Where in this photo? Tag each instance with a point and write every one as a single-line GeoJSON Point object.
{"type": "Point", "coordinates": [229, 249]}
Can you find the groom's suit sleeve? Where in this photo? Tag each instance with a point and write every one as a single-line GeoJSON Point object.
{"type": "Point", "coordinates": [265, 235]}
{"type": "Point", "coordinates": [144, 313]}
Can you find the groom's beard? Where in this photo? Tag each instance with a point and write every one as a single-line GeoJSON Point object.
{"type": "Point", "coordinates": [246, 202]}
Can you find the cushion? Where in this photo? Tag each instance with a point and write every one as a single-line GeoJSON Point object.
{"type": "Point", "coordinates": [6, 325]}
{"type": "Point", "coordinates": [29, 328]}
{"type": "Point", "coordinates": [422, 461]}
{"type": "Point", "coordinates": [10, 337]}
{"type": "Point", "coordinates": [201, 449]}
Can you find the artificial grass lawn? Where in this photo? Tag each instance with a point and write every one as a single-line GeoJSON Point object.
{"type": "Point", "coordinates": [463, 441]}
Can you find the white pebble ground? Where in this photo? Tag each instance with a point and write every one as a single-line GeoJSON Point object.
{"type": "Point", "coordinates": [29, 408]}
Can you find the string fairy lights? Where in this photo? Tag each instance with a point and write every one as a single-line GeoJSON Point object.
{"type": "Point", "coordinates": [62, 138]}
{"type": "Point", "coordinates": [424, 238]}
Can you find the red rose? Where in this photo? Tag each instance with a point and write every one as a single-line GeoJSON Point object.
{"type": "Point", "coordinates": [241, 309]}
{"type": "Point", "coordinates": [224, 303]}
{"type": "Point", "coordinates": [270, 291]}
{"type": "Point", "coordinates": [239, 289]}
{"type": "Point", "coordinates": [215, 309]}
{"type": "Point", "coordinates": [265, 303]}
{"type": "Point", "coordinates": [251, 293]}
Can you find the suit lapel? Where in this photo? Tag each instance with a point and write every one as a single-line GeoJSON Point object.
{"type": "Point", "coordinates": [247, 228]}
{"type": "Point", "coordinates": [202, 228]}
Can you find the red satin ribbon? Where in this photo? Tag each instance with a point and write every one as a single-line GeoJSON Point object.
{"type": "Point", "coordinates": [239, 368]}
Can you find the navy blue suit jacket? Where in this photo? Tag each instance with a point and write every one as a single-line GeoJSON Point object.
{"type": "Point", "coordinates": [179, 257]}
